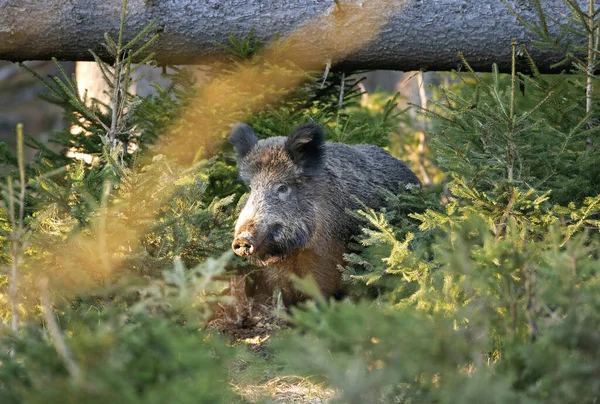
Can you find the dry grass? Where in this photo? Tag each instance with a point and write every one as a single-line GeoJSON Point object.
{"type": "Point", "coordinates": [286, 389]}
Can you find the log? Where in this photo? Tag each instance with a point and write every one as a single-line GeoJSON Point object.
{"type": "Point", "coordinates": [366, 34]}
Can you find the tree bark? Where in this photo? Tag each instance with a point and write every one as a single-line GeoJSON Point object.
{"type": "Point", "coordinates": [377, 34]}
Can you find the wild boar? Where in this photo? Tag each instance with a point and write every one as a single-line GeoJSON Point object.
{"type": "Point", "coordinates": [296, 220]}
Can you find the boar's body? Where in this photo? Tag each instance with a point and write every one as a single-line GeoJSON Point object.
{"type": "Point", "coordinates": [296, 219]}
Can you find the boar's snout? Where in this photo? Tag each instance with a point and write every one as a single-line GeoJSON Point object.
{"type": "Point", "coordinates": [243, 244]}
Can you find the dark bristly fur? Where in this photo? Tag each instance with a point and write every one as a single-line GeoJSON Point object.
{"type": "Point", "coordinates": [305, 147]}
{"type": "Point", "coordinates": [295, 220]}
{"type": "Point", "coordinates": [243, 139]}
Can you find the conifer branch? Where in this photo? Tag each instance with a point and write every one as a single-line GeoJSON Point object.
{"type": "Point", "coordinates": [542, 16]}
{"type": "Point", "coordinates": [523, 21]}
{"type": "Point", "coordinates": [530, 61]}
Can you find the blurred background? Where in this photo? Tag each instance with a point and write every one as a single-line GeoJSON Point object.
{"type": "Point", "coordinates": [20, 90]}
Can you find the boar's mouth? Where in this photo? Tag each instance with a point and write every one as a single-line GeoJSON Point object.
{"type": "Point", "coordinates": [266, 256]}
{"type": "Point", "coordinates": [265, 260]}
{"type": "Point", "coordinates": [278, 245]}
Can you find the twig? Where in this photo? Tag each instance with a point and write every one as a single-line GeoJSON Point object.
{"type": "Point", "coordinates": [511, 147]}
{"type": "Point", "coordinates": [342, 90]}
{"type": "Point", "coordinates": [21, 164]}
{"type": "Point", "coordinates": [107, 187]}
{"type": "Point", "coordinates": [12, 293]}
{"type": "Point", "coordinates": [17, 247]}
{"type": "Point", "coordinates": [589, 88]}
{"type": "Point", "coordinates": [530, 282]}
{"type": "Point", "coordinates": [117, 102]}
{"type": "Point", "coordinates": [55, 333]}
{"type": "Point", "coordinates": [422, 137]}
{"type": "Point", "coordinates": [501, 228]}
{"type": "Point", "coordinates": [422, 95]}
{"type": "Point", "coordinates": [326, 73]}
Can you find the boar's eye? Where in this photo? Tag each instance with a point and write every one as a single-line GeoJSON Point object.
{"type": "Point", "coordinates": [283, 190]}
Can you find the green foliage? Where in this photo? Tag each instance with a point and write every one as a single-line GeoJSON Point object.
{"type": "Point", "coordinates": [480, 289]}
{"type": "Point", "coordinates": [131, 213]}
{"type": "Point", "coordinates": [485, 292]}
{"type": "Point", "coordinates": [139, 343]}
{"type": "Point", "coordinates": [386, 261]}
{"type": "Point", "coordinates": [508, 321]}
{"type": "Point", "coordinates": [542, 145]}
{"type": "Point", "coordinates": [381, 354]}
{"type": "Point", "coordinates": [137, 359]}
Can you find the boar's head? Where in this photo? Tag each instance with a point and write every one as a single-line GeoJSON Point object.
{"type": "Point", "coordinates": [279, 217]}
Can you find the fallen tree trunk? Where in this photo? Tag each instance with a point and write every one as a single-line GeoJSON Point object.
{"type": "Point", "coordinates": [399, 35]}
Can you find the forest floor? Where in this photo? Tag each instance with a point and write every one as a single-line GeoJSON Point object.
{"type": "Point", "coordinates": [261, 383]}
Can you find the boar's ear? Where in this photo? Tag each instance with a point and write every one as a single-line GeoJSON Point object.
{"type": "Point", "coordinates": [305, 147]}
{"type": "Point", "coordinates": [242, 137]}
